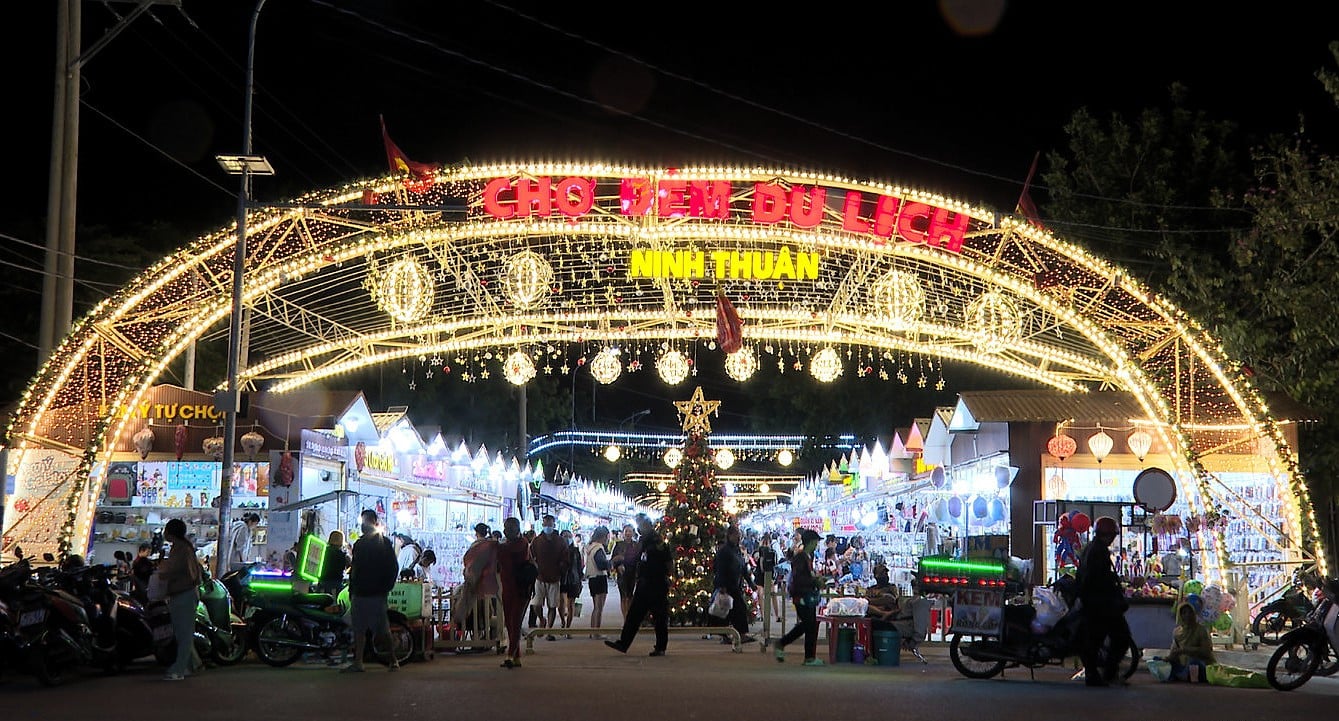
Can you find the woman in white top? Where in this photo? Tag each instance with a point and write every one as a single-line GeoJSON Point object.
{"type": "Point", "coordinates": [597, 574]}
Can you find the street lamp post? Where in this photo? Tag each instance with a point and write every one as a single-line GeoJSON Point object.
{"type": "Point", "coordinates": [244, 165]}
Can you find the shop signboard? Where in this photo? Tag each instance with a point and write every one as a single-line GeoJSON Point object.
{"type": "Point", "coordinates": [992, 546]}
{"type": "Point", "coordinates": [320, 445]}
{"type": "Point", "coordinates": [978, 612]}
{"type": "Point", "coordinates": [477, 482]}
{"type": "Point", "coordinates": [35, 512]}
{"type": "Point", "coordinates": [430, 471]}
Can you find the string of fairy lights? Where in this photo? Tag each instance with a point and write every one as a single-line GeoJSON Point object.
{"type": "Point", "coordinates": [337, 283]}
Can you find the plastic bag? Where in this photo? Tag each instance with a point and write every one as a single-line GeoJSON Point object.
{"type": "Point", "coordinates": [1050, 607]}
{"type": "Point", "coordinates": [721, 604]}
{"type": "Point", "coordinates": [848, 606]}
{"type": "Point", "coordinates": [1220, 675]}
{"type": "Point", "coordinates": [1161, 670]}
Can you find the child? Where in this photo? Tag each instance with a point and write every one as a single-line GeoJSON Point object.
{"type": "Point", "coordinates": [1192, 649]}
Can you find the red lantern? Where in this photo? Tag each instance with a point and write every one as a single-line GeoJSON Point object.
{"type": "Point", "coordinates": [179, 440]}
{"type": "Point", "coordinates": [285, 477]}
{"type": "Point", "coordinates": [1062, 446]}
{"type": "Point", "coordinates": [729, 328]}
{"type": "Point", "coordinates": [359, 455]}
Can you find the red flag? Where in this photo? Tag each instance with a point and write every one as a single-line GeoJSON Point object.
{"type": "Point", "coordinates": [400, 163]}
{"type": "Point", "coordinates": [729, 328]}
{"type": "Point", "coordinates": [1026, 207]}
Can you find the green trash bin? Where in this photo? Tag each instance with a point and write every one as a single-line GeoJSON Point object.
{"type": "Point", "coordinates": [887, 647]}
{"type": "Point", "coordinates": [845, 644]}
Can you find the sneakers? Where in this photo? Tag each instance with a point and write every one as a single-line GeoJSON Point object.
{"type": "Point", "coordinates": [169, 676]}
{"type": "Point", "coordinates": [814, 662]}
{"type": "Point", "coordinates": [353, 668]}
{"type": "Point", "coordinates": [657, 652]}
{"type": "Point", "coordinates": [617, 646]}
{"type": "Point", "coordinates": [780, 654]}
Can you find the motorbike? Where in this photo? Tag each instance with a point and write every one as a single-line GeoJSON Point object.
{"type": "Point", "coordinates": [1019, 645]}
{"type": "Point", "coordinates": [1286, 612]}
{"type": "Point", "coordinates": [219, 635]}
{"type": "Point", "coordinates": [300, 623]}
{"type": "Point", "coordinates": [13, 580]}
{"type": "Point", "coordinates": [54, 632]}
{"type": "Point", "coordinates": [1310, 649]}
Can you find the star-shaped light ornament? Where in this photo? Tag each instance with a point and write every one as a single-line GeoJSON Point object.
{"type": "Point", "coordinates": [697, 411]}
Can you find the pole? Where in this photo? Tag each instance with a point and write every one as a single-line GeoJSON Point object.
{"type": "Point", "coordinates": [235, 319]}
{"type": "Point", "coordinates": [69, 180]}
{"type": "Point", "coordinates": [521, 418]}
{"type": "Point", "coordinates": [4, 482]}
{"type": "Point", "coordinates": [51, 266]}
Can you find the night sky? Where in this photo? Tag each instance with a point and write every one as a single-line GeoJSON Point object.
{"type": "Point", "coordinates": [889, 93]}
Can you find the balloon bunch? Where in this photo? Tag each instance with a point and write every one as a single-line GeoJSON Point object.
{"type": "Point", "coordinates": [1212, 604]}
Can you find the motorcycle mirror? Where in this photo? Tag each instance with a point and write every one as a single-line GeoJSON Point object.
{"type": "Point", "coordinates": [18, 552]}
{"type": "Point", "coordinates": [48, 557]}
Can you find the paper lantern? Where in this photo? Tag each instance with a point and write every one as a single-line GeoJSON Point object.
{"type": "Point", "coordinates": [143, 442]}
{"type": "Point", "coordinates": [980, 508]}
{"type": "Point", "coordinates": [518, 368]}
{"type": "Point", "coordinates": [955, 507]}
{"type": "Point", "coordinates": [179, 440]}
{"type": "Point", "coordinates": [997, 512]}
{"type": "Point", "coordinates": [1100, 444]}
{"type": "Point", "coordinates": [359, 456]}
{"type": "Point", "coordinates": [213, 447]}
{"type": "Point", "coordinates": [252, 442]}
{"type": "Point", "coordinates": [1062, 446]}
{"type": "Point", "coordinates": [607, 366]}
{"type": "Point", "coordinates": [673, 367]}
{"type": "Point", "coordinates": [673, 457]}
{"type": "Point", "coordinates": [1140, 442]}
{"type": "Point", "coordinates": [937, 477]}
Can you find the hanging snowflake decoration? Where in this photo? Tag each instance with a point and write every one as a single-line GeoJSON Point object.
{"type": "Point", "coordinates": [518, 368]}
{"type": "Point", "coordinates": [404, 290]}
{"type": "Point", "coordinates": [527, 279]}
{"type": "Point", "coordinates": [826, 365]}
{"type": "Point", "coordinates": [742, 364]}
{"type": "Point", "coordinates": [673, 367]}
{"type": "Point", "coordinates": [994, 322]}
{"type": "Point", "coordinates": [898, 298]}
{"type": "Point", "coordinates": [606, 367]}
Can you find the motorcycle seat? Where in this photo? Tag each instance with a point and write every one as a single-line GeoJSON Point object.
{"type": "Point", "coordinates": [314, 599]}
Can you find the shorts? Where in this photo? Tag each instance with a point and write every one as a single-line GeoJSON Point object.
{"type": "Point", "coordinates": [369, 613]}
{"type": "Point", "coordinates": [599, 585]}
{"type": "Point", "coordinates": [626, 583]}
{"type": "Point", "coordinates": [571, 590]}
{"type": "Point", "coordinates": [546, 593]}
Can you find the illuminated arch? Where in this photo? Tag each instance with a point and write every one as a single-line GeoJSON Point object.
{"type": "Point", "coordinates": [342, 279]}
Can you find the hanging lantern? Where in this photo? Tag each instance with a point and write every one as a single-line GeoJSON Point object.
{"type": "Point", "coordinates": [518, 368]}
{"type": "Point", "coordinates": [404, 290]}
{"type": "Point", "coordinates": [1100, 444]}
{"type": "Point", "coordinates": [1062, 446]}
{"type": "Point", "coordinates": [606, 368]}
{"type": "Point", "coordinates": [764, 488]}
{"type": "Point", "coordinates": [673, 457]}
{"type": "Point", "coordinates": [359, 456]}
{"type": "Point", "coordinates": [741, 364]}
{"type": "Point", "coordinates": [612, 453]}
{"type": "Point", "coordinates": [143, 442]}
{"type": "Point", "coordinates": [725, 458]}
{"type": "Point", "coordinates": [994, 321]}
{"type": "Point", "coordinates": [672, 367]}
{"type": "Point", "coordinates": [662, 486]}
{"type": "Point", "coordinates": [252, 442]}
{"type": "Point", "coordinates": [898, 298]}
{"type": "Point", "coordinates": [179, 440]}
{"type": "Point", "coordinates": [826, 366]}
{"type": "Point", "coordinates": [527, 280]}
{"type": "Point", "coordinates": [285, 475]}
{"type": "Point", "coordinates": [784, 457]}
{"type": "Point", "coordinates": [213, 447]}
{"type": "Point", "coordinates": [1140, 442]}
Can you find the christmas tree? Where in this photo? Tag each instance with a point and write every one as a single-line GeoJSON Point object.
{"type": "Point", "coordinates": [695, 518]}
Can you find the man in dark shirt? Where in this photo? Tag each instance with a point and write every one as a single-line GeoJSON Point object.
{"type": "Point", "coordinates": [625, 557]}
{"type": "Point", "coordinates": [551, 556]}
{"type": "Point", "coordinates": [1103, 609]}
{"type": "Point", "coordinates": [730, 573]}
{"type": "Point", "coordinates": [371, 578]}
{"type": "Point", "coordinates": [651, 594]}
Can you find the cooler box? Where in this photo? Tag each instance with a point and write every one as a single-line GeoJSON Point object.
{"type": "Point", "coordinates": [412, 598]}
{"type": "Point", "coordinates": [888, 647]}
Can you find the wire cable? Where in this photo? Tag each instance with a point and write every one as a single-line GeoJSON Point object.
{"type": "Point", "coordinates": [78, 257]}
{"type": "Point", "coordinates": [156, 149]}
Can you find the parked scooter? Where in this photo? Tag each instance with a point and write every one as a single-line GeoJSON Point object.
{"type": "Point", "coordinates": [220, 636]}
{"type": "Point", "coordinates": [317, 622]}
{"type": "Point", "coordinates": [54, 635]}
{"type": "Point", "coordinates": [1284, 613]}
{"type": "Point", "coordinates": [1310, 649]}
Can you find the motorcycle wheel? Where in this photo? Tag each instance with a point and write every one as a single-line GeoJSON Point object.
{"type": "Point", "coordinates": [1293, 664]}
{"type": "Point", "coordinates": [1128, 664]}
{"type": "Point", "coordinates": [1270, 625]}
{"type": "Point", "coordinates": [228, 652]}
{"type": "Point", "coordinates": [970, 667]}
{"type": "Point", "coordinates": [48, 669]}
{"type": "Point", "coordinates": [402, 641]}
{"type": "Point", "coordinates": [270, 650]}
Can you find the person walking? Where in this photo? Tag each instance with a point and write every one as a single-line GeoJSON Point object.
{"type": "Point", "coordinates": [516, 572]}
{"type": "Point", "coordinates": [624, 560]}
{"type": "Point", "coordinates": [730, 574]}
{"type": "Point", "coordinates": [804, 588]}
{"type": "Point", "coordinates": [371, 579]}
{"type": "Point", "coordinates": [651, 595]}
{"type": "Point", "coordinates": [571, 585]}
{"type": "Point", "coordinates": [239, 533]}
{"type": "Point", "coordinates": [1103, 609]}
{"type": "Point", "coordinates": [550, 553]}
{"type": "Point", "coordinates": [597, 575]}
{"type": "Point", "coordinates": [180, 578]}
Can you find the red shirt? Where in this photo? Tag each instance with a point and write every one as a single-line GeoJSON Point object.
{"type": "Point", "coordinates": [510, 555]}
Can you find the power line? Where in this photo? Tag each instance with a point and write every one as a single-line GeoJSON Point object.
{"type": "Point", "coordinates": [78, 257]}
{"type": "Point", "coordinates": [156, 149]}
{"type": "Point", "coordinates": [18, 340]}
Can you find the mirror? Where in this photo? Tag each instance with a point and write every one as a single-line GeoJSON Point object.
{"type": "Point", "coordinates": [48, 558]}
{"type": "Point", "coordinates": [18, 552]}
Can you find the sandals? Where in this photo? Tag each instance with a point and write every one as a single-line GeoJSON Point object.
{"type": "Point", "coordinates": [780, 654]}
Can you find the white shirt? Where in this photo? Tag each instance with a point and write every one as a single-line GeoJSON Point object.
{"type": "Point", "coordinates": [241, 543]}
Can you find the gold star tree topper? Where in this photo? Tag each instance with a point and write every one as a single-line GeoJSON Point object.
{"type": "Point", "coordinates": [697, 411]}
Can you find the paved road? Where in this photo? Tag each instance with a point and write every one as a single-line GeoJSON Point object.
{"type": "Point", "coordinates": [699, 679]}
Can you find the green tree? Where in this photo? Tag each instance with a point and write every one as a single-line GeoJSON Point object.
{"type": "Point", "coordinates": [695, 521]}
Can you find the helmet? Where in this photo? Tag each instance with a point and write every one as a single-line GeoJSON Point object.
{"type": "Point", "coordinates": [1106, 525]}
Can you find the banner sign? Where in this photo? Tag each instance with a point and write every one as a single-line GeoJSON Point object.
{"type": "Point", "coordinates": [978, 612]}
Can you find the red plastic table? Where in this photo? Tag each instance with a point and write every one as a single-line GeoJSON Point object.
{"type": "Point", "coordinates": [863, 630]}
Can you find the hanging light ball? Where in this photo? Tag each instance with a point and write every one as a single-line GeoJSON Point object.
{"type": "Point", "coordinates": [1062, 446]}
{"type": "Point", "coordinates": [1140, 442]}
{"type": "Point", "coordinates": [1100, 444]}
{"type": "Point", "coordinates": [518, 368]}
{"type": "Point", "coordinates": [612, 453]}
{"type": "Point", "coordinates": [252, 442]}
{"type": "Point", "coordinates": [994, 321]}
{"type": "Point", "coordinates": [741, 364]}
{"type": "Point", "coordinates": [673, 457]}
{"type": "Point", "coordinates": [672, 367]}
{"type": "Point", "coordinates": [785, 458]}
{"type": "Point", "coordinates": [404, 290]}
{"type": "Point", "coordinates": [729, 489]}
{"type": "Point", "coordinates": [143, 440]}
{"type": "Point", "coordinates": [898, 298]}
{"type": "Point", "coordinates": [725, 458]}
{"type": "Point", "coordinates": [764, 488]}
{"type": "Point", "coordinates": [213, 447]}
{"type": "Point", "coordinates": [527, 279]}
{"type": "Point", "coordinates": [826, 365]}
{"type": "Point", "coordinates": [606, 368]}
{"type": "Point", "coordinates": [662, 486]}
